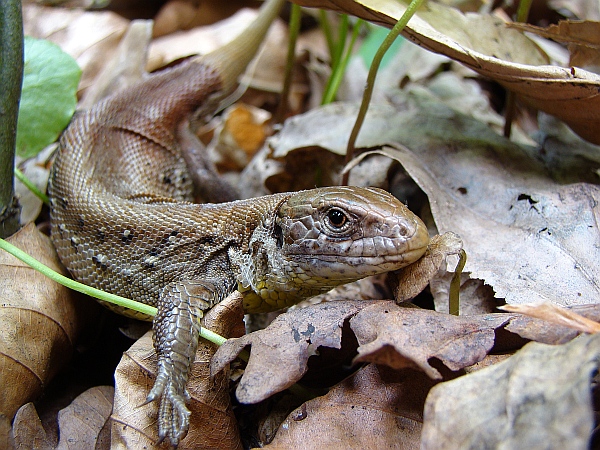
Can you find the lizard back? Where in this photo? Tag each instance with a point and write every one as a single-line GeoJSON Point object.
{"type": "Point", "coordinates": [121, 213]}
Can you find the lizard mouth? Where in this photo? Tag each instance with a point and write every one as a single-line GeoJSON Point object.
{"type": "Point", "coordinates": [353, 267]}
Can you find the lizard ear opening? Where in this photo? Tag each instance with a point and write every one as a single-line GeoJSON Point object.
{"type": "Point", "coordinates": [278, 235]}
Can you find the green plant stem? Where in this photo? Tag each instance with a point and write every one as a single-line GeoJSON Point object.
{"type": "Point", "coordinates": [93, 292]}
{"type": "Point", "coordinates": [366, 99]}
{"type": "Point", "coordinates": [523, 10]}
{"type": "Point", "coordinates": [509, 111]}
{"type": "Point", "coordinates": [11, 80]}
{"type": "Point", "coordinates": [32, 187]}
{"type": "Point", "coordinates": [72, 284]}
{"type": "Point", "coordinates": [454, 296]}
{"type": "Point", "coordinates": [338, 70]}
{"type": "Point", "coordinates": [295, 16]}
{"type": "Point", "coordinates": [326, 28]}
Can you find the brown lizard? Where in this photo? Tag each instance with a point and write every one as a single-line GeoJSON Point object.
{"type": "Point", "coordinates": [123, 220]}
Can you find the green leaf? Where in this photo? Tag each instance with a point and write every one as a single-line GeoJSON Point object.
{"type": "Point", "coordinates": [48, 99]}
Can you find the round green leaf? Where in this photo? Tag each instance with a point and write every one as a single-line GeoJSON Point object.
{"type": "Point", "coordinates": [48, 98]}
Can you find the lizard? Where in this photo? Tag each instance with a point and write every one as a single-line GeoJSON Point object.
{"type": "Point", "coordinates": [123, 217]}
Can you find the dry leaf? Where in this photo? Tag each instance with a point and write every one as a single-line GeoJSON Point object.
{"type": "Point", "coordinates": [375, 408]}
{"type": "Point", "coordinates": [241, 132]}
{"type": "Point", "coordinates": [537, 399]}
{"type": "Point", "coordinates": [548, 332]}
{"type": "Point", "coordinates": [212, 423]}
{"type": "Point", "coordinates": [280, 352]}
{"type": "Point", "coordinates": [83, 424]}
{"type": "Point", "coordinates": [410, 337]}
{"type": "Point", "coordinates": [40, 321]}
{"type": "Point", "coordinates": [557, 315]}
{"type": "Point", "coordinates": [387, 334]}
{"type": "Point", "coordinates": [484, 44]}
{"type": "Point", "coordinates": [90, 37]}
{"type": "Point", "coordinates": [410, 281]}
{"type": "Point", "coordinates": [475, 296]}
{"type": "Point", "coordinates": [177, 15]}
{"type": "Point", "coordinates": [582, 38]}
{"type": "Point", "coordinates": [126, 65]}
{"type": "Point", "coordinates": [28, 431]}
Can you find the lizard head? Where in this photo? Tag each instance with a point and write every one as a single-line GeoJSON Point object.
{"type": "Point", "coordinates": [325, 237]}
{"type": "Point", "coordinates": [349, 232]}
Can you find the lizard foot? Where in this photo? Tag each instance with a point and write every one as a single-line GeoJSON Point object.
{"type": "Point", "coordinates": [173, 415]}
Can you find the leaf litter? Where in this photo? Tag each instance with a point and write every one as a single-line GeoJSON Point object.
{"type": "Point", "coordinates": [544, 229]}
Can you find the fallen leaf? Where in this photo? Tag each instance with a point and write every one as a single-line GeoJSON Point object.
{"type": "Point", "coordinates": [40, 321]}
{"type": "Point", "coordinates": [375, 408]}
{"type": "Point", "coordinates": [483, 43]}
{"type": "Point", "coordinates": [548, 332]}
{"type": "Point", "coordinates": [557, 315]}
{"type": "Point", "coordinates": [90, 37]}
{"type": "Point", "coordinates": [581, 37]}
{"type": "Point", "coordinates": [83, 421]}
{"type": "Point", "coordinates": [177, 15]}
{"type": "Point", "coordinates": [212, 423]}
{"type": "Point", "coordinates": [241, 132]}
{"type": "Point", "coordinates": [475, 296]}
{"type": "Point", "coordinates": [125, 67]}
{"type": "Point", "coordinates": [536, 399]}
{"type": "Point", "coordinates": [280, 352]}
{"type": "Point", "coordinates": [411, 337]}
{"type": "Point", "coordinates": [411, 280]}
{"type": "Point", "coordinates": [28, 431]}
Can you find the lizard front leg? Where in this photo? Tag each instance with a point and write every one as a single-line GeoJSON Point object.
{"type": "Point", "coordinates": [176, 327]}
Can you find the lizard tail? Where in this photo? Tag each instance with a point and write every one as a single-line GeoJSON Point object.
{"type": "Point", "coordinates": [231, 60]}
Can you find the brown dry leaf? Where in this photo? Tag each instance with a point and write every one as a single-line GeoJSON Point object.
{"type": "Point", "coordinates": [90, 37]}
{"type": "Point", "coordinates": [546, 227]}
{"type": "Point", "coordinates": [387, 334]}
{"type": "Point", "coordinates": [84, 423]}
{"type": "Point", "coordinates": [557, 315]}
{"type": "Point", "coordinates": [177, 15]}
{"type": "Point", "coordinates": [36, 169]}
{"type": "Point", "coordinates": [549, 332]}
{"type": "Point", "coordinates": [125, 67]}
{"type": "Point", "coordinates": [28, 431]}
{"type": "Point", "coordinates": [475, 296]}
{"type": "Point", "coordinates": [583, 38]}
{"type": "Point", "coordinates": [202, 40]}
{"type": "Point", "coordinates": [537, 399]}
{"type": "Point", "coordinates": [402, 337]}
{"type": "Point", "coordinates": [40, 321]}
{"type": "Point", "coordinates": [241, 132]}
{"type": "Point", "coordinates": [212, 423]}
{"type": "Point", "coordinates": [411, 280]}
{"type": "Point", "coordinates": [484, 44]}
{"type": "Point", "coordinates": [579, 9]}
{"type": "Point", "coordinates": [375, 408]}
{"type": "Point", "coordinates": [280, 352]}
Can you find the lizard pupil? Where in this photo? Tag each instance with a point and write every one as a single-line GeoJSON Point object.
{"type": "Point", "coordinates": [336, 217]}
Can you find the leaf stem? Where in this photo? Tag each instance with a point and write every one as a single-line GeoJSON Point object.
{"type": "Point", "coordinates": [76, 286]}
{"type": "Point", "coordinates": [364, 106]}
{"type": "Point", "coordinates": [295, 16]}
{"type": "Point", "coordinates": [454, 296]}
{"type": "Point", "coordinates": [339, 68]}
{"type": "Point", "coordinates": [32, 187]}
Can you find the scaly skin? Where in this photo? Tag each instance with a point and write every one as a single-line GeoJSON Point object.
{"type": "Point", "coordinates": [123, 221]}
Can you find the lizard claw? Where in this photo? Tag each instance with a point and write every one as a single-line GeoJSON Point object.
{"type": "Point", "coordinates": [173, 415]}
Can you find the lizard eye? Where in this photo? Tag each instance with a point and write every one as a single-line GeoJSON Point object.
{"type": "Point", "coordinates": [337, 218]}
